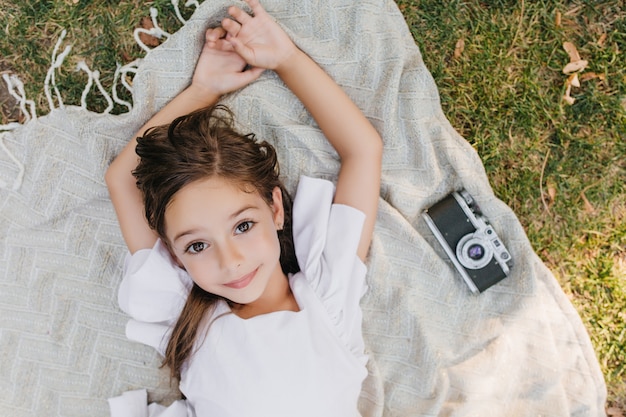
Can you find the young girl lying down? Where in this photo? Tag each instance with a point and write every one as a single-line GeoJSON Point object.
{"type": "Point", "coordinates": [252, 300]}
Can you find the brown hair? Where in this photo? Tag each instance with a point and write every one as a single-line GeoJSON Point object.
{"type": "Point", "coordinates": [200, 145]}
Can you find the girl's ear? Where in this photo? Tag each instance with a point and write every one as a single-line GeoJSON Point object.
{"type": "Point", "coordinates": [277, 208]}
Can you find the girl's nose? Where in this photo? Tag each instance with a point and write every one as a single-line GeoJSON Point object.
{"type": "Point", "coordinates": [230, 256]}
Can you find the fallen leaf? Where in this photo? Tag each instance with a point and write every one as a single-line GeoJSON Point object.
{"type": "Point", "coordinates": [614, 412]}
{"type": "Point", "coordinates": [567, 97]}
{"type": "Point", "coordinates": [148, 40]}
{"type": "Point", "coordinates": [573, 80]}
{"type": "Point", "coordinates": [589, 76]}
{"type": "Point", "coordinates": [557, 19]}
{"type": "Point", "coordinates": [575, 66]}
{"type": "Point", "coordinates": [602, 40]}
{"type": "Point", "coordinates": [587, 205]}
{"type": "Point", "coordinates": [551, 194]}
{"type": "Point", "coordinates": [571, 50]}
{"type": "Point", "coordinates": [459, 48]}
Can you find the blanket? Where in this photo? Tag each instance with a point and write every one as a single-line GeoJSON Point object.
{"type": "Point", "coordinates": [436, 349]}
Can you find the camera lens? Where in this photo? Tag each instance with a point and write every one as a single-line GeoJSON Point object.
{"type": "Point", "coordinates": [475, 251]}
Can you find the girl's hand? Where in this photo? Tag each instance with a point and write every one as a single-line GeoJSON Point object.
{"type": "Point", "coordinates": [258, 39]}
{"type": "Point", "coordinates": [220, 69]}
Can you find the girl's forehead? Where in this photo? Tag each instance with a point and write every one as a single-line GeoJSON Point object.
{"type": "Point", "coordinates": [215, 190]}
{"type": "Point", "coordinates": [214, 197]}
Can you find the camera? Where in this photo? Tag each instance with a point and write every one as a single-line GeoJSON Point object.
{"type": "Point", "coordinates": [469, 240]}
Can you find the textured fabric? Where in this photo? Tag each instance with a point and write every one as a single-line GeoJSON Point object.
{"type": "Point", "coordinates": [519, 349]}
{"type": "Point", "coordinates": [311, 361]}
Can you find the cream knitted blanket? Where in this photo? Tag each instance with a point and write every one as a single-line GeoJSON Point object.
{"type": "Point", "coordinates": [519, 349]}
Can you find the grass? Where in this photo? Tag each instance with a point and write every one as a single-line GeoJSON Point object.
{"type": "Point", "coordinates": [561, 167]}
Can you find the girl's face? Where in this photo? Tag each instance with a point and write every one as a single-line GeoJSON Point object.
{"type": "Point", "coordinates": [226, 238]}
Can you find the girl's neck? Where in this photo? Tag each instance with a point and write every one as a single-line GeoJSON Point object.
{"type": "Point", "coordinates": [277, 297]}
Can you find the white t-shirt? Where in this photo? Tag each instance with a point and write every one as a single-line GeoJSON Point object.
{"type": "Point", "coordinates": [305, 363]}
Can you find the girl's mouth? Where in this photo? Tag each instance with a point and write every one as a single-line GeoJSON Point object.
{"type": "Point", "coordinates": [243, 281]}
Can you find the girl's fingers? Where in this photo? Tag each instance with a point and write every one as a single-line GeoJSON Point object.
{"type": "Point", "coordinates": [214, 39]}
{"type": "Point", "coordinates": [256, 7]}
{"type": "Point", "coordinates": [239, 15]}
{"type": "Point", "coordinates": [241, 49]}
{"type": "Point", "coordinates": [231, 26]}
{"type": "Point", "coordinates": [213, 34]}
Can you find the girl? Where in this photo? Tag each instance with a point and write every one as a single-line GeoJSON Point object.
{"type": "Point", "coordinates": [211, 279]}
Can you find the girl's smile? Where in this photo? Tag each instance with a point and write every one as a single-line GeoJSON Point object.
{"type": "Point", "coordinates": [243, 282]}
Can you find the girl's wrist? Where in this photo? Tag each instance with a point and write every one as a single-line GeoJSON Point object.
{"type": "Point", "coordinates": [203, 97]}
{"type": "Point", "coordinates": [291, 62]}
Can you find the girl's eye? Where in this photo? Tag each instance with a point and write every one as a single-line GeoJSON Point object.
{"type": "Point", "coordinates": [243, 227]}
{"type": "Point", "coordinates": [196, 247]}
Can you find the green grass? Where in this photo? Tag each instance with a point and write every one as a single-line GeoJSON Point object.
{"type": "Point", "coordinates": [503, 93]}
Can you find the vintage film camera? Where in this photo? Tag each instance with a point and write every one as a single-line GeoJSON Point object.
{"type": "Point", "coordinates": [469, 240]}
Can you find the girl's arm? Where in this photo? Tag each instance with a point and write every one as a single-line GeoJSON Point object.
{"type": "Point", "coordinates": [219, 70]}
{"type": "Point", "coordinates": [262, 43]}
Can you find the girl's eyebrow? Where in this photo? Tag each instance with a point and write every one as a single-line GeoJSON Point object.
{"type": "Point", "coordinates": [232, 216]}
{"type": "Point", "coordinates": [243, 209]}
{"type": "Point", "coordinates": [185, 233]}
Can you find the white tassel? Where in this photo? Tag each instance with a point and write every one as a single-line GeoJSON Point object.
{"type": "Point", "coordinates": [180, 17]}
{"type": "Point", "coordinates": [57, 61]}
{"type": "Point", "coordinates": [94, 77]}
{"type": "Point", "coordinates": [177, 11]}
{"type": "Point", "coordinates": [120, 74]}
{"type": "Point", "coordinates": [13, 83]}
{"type": "Point", "coordinates": [156, 31]}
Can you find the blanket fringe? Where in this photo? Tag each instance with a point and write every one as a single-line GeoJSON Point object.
{"type": "Point", "coordinates": [189, 3]}
{"type": "Point", "coordinates": [53, 95]}
{"type": "Point", "coordinates": [14, 83]}
{"type": "Point", "coordinates": [57, 61]}
{"type": "Point", "coordinates": [155, 31]}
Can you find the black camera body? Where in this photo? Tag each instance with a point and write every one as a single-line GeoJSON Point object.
{"type": "Point", "coordinates": [469, 240]}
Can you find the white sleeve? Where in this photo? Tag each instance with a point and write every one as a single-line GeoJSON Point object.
{"type": "Point", "coordinates": [135, 404]}
{"type": "Point", "coordinates": [326, 239]}
{"type": "Point", "coordinates": [153, 292]}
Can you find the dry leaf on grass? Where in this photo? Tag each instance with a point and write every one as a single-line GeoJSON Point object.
{"type": "Point", "coordinates": [573, 80]}
{"type": "Point", "coordinates": [557, 19]}
{"type": "Point", "coordinates": [601, 40]}
{"type": "Point", "coordinates": [575, 66]}
{"type": "Point", "coordinates": [614, 412]}
{"type": "Point", "coordinates": [591, 75]}
{"type": "Point", "coordinates": [571, 50]}
{"type": "Point", "coordinates": [586, 204]}
{"type": "Point", "coordinates": [148, 40]}
{"type": "Point", "coordinates": [567, 96]}
{"type": "Point", "coordinates": [551, 194]}
{"type": "Point", "coordinates": [459, 48]}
